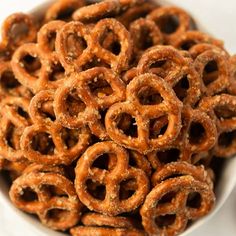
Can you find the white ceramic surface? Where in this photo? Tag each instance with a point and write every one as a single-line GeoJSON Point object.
{"type": "Point", "coordinates": [225, 186]}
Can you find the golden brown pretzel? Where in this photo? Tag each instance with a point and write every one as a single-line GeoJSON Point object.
{"type": "Point", "coordinates": [111, 178]}
{"type": "Point", "coordinates": [32, 193]}
{"type": "Point", "coordinates": [46, 141]}
{"type": "Point", "coordinates": [148, 99]}
{"type": "Point", "coordinates": [82, 88]}
{"type": "Point", "coordinates": [168, 207]}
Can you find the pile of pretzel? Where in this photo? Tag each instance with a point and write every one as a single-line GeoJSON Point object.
{"type": "Point", "coordinates": [112, 115]}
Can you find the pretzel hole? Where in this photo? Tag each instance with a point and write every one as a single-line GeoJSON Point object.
{"type": "Point", "coordinates": [28, 195]}
{"type": "Point", "coordinates": [75, 45]}
{"type": "Point", "coordinates": [127, 188]}
{"type": "Point", "coordinates": [57, 72]}
{"type": "Point", "coordinates": [95, 62]}
{"type": "Point", "coordinates": [227, 139]}
{"type": "Point", "coordinates": [51, 38]}
{"type": "Point", "coordinates": [187, 44]}
{"type": "Point", "coordinates": [74, 105]}
{"type": "Point", "coordinates": [158, 127]}
{"type": "Point", "coordinates": [43, 143]}
{"type": "Point", "coordinates": [95, 189]}
{"type": "Point", "coordinates": [197, 133]}
{"type": "Point", "coordinates": [9, 136]}
{"type": "Point", "coordinates": [105, 161]}
{"type": "Point", "coordinates": [181, 88]}
{"type": "Point", "coordinates": [194, 200]}
{"type": "Point", "coordinates": [168, 156]}
{"type": "Point", "coordinates": [127, 124]}
{"type": "Point", "coordinates": [165, 221]}
{"type": "Point", "coordinates": [65, 14]}
{"type": "Point", "coordinates": [22, 112]}
{"type": "Point", "coordinates": [100, 87]}
{"type": "Point", "coordinates": [18, 31]}
{"type": "Point", "coordinates": [31, 64]}
{"type": "Point", "coordinates": [113, 45]}
{"type": "Point", "coordinates": [8, 80]}
{"type": "Point", "coordinates": [54, 191]}
{"type": "Point", "coordinates": [149, 96]}
{"type": "Point", "coordinates": [57, 215]}
{"type": "Point", "coordinates": [70, 137]}
{"type": "Point", "coordinates": [167, 198]}
{"type": "Point", "coordinates": [168, 24]}
{"type": "Point", "coordinates": [211, 72]}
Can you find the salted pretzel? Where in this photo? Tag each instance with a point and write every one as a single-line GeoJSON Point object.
{"type": "Point", "coordinates": [220, 80]}
{"type": "Point", "coordinates": [14, 118]}
{"type": "Point", "coordinates": [172, 21]}
{"type": "Point", "coordinates": [63, 10]}
{"type": "Point", "coordinates": [222, 109]}
{"type": "Point", "coordinates": [103, 231]}
{"type": "Point", "coordinates": [46, 141]}
{"type": "Point", "coordinates": [232, 86]}
{"type": "Point", "coordinates": [18, 29]}
{"type": "Point", "coordinates": [198, 135]}
{"type": "Point", "coordinates": [95, 219]}
{"type": "Point", "coordinates": [82, 89]}
{"type": "Point", "coordinates": [145, 34]}
{"type": "Point", "coordinates": [32, 193]}
{"type": "Point", "coordinates": [174, 200]}
{"type": "Point", "coordinates": [111, 178]}
{"type": "Point", "coordinates": [148, 99]}
{"type": "Point", "coordinates": [193, 37]}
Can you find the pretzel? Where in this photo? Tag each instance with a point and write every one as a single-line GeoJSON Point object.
{"type": "Point", "coordinates": [221, 108]}
{"type": "Point", "coordinates": [102, 231]}
{"type": "Point", "coordinates": [97, 11]}
{"type": "Point", "coordinates": [198, 135]}
{"type": "Point", "coordinates": [18, 29]}
{"type": "Point", "coordinates": [46, 141]}
{"type": "Point", "coordinates": [111, 178]}
{"type": "Point", "coordinates": [172, 21]}
{"type": "Point", "coordinates": [5, 52]}
{"type": "Point", "coordinates": [145, 34]}
{"type": "Point", "coordinates": [72, 45]}
{"type": "Point", "coordinates": [117, 61]}
{"type": "Point", "coordinates": [79, 86]}
{"type": "Point", "coordinates": [168, 207]}
{"type": "Point", "coordinates": [191, 38]}
{"type": "Point", "coordinates": [135, 13]}
{"type": "Point", "coordinates": [31, 193]}
{"type": "Point", "coordinates": [63, 10]}
{"type": "Point", "coordinates": [232, 88]}
{"type": "Point", "coordinates": [94, 219]}
{"type": "Point", "coordinates": [216, 83]}
{"type": "Point", "coordinates": [143, 110]}
{"type": "Point", "coordinates": [15, 118]}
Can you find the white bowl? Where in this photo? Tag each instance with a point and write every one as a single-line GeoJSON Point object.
{"type": "Point", "coordinates": [223, 190]}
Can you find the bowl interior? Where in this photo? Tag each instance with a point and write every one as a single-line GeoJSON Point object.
{"type": "Point", "coordinates": [223, 189]}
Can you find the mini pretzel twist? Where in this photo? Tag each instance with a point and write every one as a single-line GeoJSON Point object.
{"type": "Point", "coordinates": [17, 30]}
{"type": "Point", "coordinates": [111, 178]}
{"type": "Point", "coordinates": [198, 135]}
{"type": "Point", "coordinates": [84, 89]}
{"type": "Point", "coordinates": [168, 207]}
{"type": "Point", "coordinates": [46, 141]}
{"type": "Point", "coordinates": [222, 110]}
{"type": "Point", "coordinates": [63, 10]}
{"type": "Point", "coordinates": [148, 99]}
{"type": "Point", "coordinates": [34, 192]}
{"type": "Point", "coordinates": [176, 70]}
{"type": "Point", "coordinates": [172, 21]}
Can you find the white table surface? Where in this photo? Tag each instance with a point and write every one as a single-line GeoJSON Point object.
{"type": "Point", "coordinates": [219, 18]}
